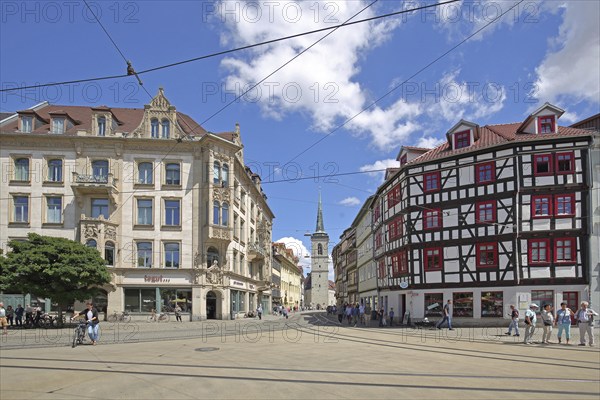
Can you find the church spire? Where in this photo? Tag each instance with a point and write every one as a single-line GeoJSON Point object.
{"type": "Point", "coordinates": [320, 227]}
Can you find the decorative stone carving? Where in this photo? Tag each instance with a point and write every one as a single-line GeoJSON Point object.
{"type": "Point", "coordinates": [110, 233]}
{"type": "Point", "coordinates": [214, 274]}
{"type": "Point", "coordinates": [91, 231]}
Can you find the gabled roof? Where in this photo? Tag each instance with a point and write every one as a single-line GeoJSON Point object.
{"type": "Point", "coordinates": [533, 115]}
{"type": "Point", "coordinates": [411, 149]}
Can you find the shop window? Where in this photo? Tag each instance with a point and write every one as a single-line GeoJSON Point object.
{"type": "Point", "coordinates": [434, 303]}
{"type": "Point", "coordinates": [492, 304]}
{"type": "Point", "coordinates": [170, 298]}
{"type": "Point", "coordinates": [463, 304]}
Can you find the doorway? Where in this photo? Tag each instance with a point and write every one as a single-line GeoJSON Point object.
{"type": "Point", "coordinates": [211, 305]}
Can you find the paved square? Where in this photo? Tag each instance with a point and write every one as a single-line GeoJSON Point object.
{"type": "Point", "coordinates": [293, 359]}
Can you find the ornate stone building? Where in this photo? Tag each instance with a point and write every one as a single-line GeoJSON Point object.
{"type": "Point", "coordinates": [173, 209]}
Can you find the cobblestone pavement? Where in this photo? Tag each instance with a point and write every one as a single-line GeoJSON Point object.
{"type": "Point", "coordinates": [306, 356]}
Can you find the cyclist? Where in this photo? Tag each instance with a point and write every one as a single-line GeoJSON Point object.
{"type": "Point", "coordinates": [91, 316]}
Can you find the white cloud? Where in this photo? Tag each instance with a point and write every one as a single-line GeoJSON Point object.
{"type": "Point", "coordinates": [299, 249]}
{"type": "Point", "coordinates": [429, 142]}
{"type": "Point", "coordinates": [350, 201]}
{"type": "Point", "coordinates": [380, 165]}
{"type": "Point", "coordinates": [569, 72]}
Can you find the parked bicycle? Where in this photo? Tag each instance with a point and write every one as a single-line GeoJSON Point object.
{"type": "Point", "coordinates": [122, 317]}
{"type": "Point", "coordinates": [79, 333]}
{"type": "Point", "coordinates": [159, 317]}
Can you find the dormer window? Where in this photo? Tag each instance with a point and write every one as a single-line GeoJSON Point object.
{"type": "Point", "coordinates": [26, 124]}
{"type": "Point", "coordinates": [154, 128]}
{"type": "Point", "coordinates": [404, 159]}
{"type": "Point", "coordinates": [165, 128]}
{"type": "Point", "coordinates": [58, 125]}
{"type": "Point", "coordinates": [101, 126]}
{"type": "Point", "coordinates": [462, 139]}
{"type": "Point", "coordinates": [546, 124]}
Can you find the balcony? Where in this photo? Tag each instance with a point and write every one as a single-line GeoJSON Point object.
{"type": "Point", "coordinates": [105, 185]}
{"type": "Point", "coordinates": [217, 232]}
{"type": "Point", "coordinates": [256, 252]}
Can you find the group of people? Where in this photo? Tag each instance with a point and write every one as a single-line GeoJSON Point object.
{"type": "Point", "coordinates": [14, 317]}
{"type": "Point", "coordinates": [563, 318]}
{"type": "Point", "coordinates": [357, 314]}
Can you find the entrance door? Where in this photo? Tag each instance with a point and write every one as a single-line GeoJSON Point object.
{"type": "Point", "coordinates": [211, 305]}
{"type": "Point", "coordinates": [572, 300]}
{"type": "Point", "coordinates": [402, 309]}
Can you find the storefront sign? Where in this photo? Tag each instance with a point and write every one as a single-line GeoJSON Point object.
{"type": "Point", "coordinates": [137, 278]}
{"type": "Point", "coordinates": [251, 286]}
{"type": "Point", "coordinates": [237, 283]}
{"type": "Point", "coordinates": [156, 279]}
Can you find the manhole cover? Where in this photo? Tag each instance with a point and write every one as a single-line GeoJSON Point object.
{"type": "Point", "coordinates": [207, 349]}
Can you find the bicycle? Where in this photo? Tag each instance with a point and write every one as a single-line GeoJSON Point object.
{"type": "Point", "coordinates": [123, 317]}
{"type": "Point", "coordinates": [79, 333]}
{"type": "Point", "coordinates": [162, 317]}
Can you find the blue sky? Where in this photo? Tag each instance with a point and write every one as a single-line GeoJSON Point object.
{"type": "Point", "coordinates": [538, 52]}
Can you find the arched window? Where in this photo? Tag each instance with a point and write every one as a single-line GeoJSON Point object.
{"type": "Point", "coordinates": [225, 214]}
{"type": "Point", "coordinates": [91, 243]}
{"type": "Point", "coordinates": [154, 127]}
{"type": "Point", "coordinates": [22, 169]}
{"type": "Point", "coordinates": [212, 255]}
{"type": "Point", "coordinates": [216, 212]}
{"type": "Point", "coordinates": [101, 126]}
{"type": "Point", "coordinates": [145, 170]}
{"type": "Point", "coordinates": [109, 253]}
{"type": "Point", "coordinates": [165, 128]}
{"type": "Point", "coordinates": [100, 170]}
{"type": "Point", "coordinates": [225, 175]}
{"type": "Point", "coordinates": [320, 249]}
{"type": "Point", "coordinates": [172, 176]}
{"type": "Point", "coordinates": [216, 172]}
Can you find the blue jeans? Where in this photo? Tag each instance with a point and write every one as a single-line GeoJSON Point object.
{"type": "Point", "coordinates": [566, 328]}
{"type": "Point", "coordinates": [93, 332]}
{"type": "Point", "coordinates": [514, 324]}
{"type": "Point", "coordinates": [446, 318]}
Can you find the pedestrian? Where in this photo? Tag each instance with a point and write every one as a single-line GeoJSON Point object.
{"type": "Point", "coordinates": [355, 314]}
{"type": "Point", "coordinates": [178, 313]}
{"type": "Point", "coordinates": [285, 312]}
{"type": "Point", "coordinates": [447, 312]}
{"type": "Point", "coordinates": [349, 309]}
{"type": "Point", "coordinates": [381, 315]}
{"type": "Point", "coordinates": [259, 311]}
{"type": "Point", "coordinates": [548, 320]}
{"type": "Point", "coordinates": [10, 315]}
{"type": "Point", "coordinates": [391, 314]}
{"type": "Point", "coordinates": [361, 312]}
{"type": "Point", "coordinates": [514, 320]}
{"type": "Point", "coordinates": [367, 312]}
{"type": "Point", "coordinates": [28, 315]}
{"type": "Point", "coordinates": [91, 316]}
{"type": "Point", "coordinates": [563, 321]}
{"type": "Point", "coordinates": [3, 322]}
{"type": "Point", "coordinates": [340, 312]}
{"type": "Point", "coordinates": [530, 321]}
{"type": "Point", "coordinates": [585, 321]}
{"type": "Point", "coordinates": [19, 315]}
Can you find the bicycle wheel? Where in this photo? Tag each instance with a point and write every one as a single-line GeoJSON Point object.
{"type": "Point", "coordinates": [75, 338]}
{"type": "Point", "coordinates": [126, 318]}
{"type": "Point", "coordinates": [112, 318]}
{"type": "Point", "coordinates": [165, 317]}
{"type": "Point", "coordinates": [150, 319]}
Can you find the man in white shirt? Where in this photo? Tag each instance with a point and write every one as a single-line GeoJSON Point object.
{"type": "Point", "coordinates": [585, 320]}
{"type": "Point", "coordinates": [530, 321]}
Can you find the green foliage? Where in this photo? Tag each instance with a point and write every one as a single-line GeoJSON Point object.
{"type": "Point", "coordinates": [53, 267]}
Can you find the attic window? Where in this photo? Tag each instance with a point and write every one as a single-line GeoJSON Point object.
{"type": "Point", "coordinates": [462, 139]}
{"type": "Point", "coordinates": [26, 124]}
{"type": "Point", "coordinates": [546, 124]}
{"type": "Point", "coordinates": [58, 125]}
{"type": "Point", "coordinates": [404, 159]}
{"type": "Point", "coordinates": [101, 126]}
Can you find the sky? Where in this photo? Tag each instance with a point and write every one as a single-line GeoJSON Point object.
{"type": "Point", "coordinates": [335, 102]}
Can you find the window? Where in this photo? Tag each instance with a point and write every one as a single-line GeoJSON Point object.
{"type": "Point", "coordinates": [144, 254]}
{"type": "Point", "coordinates": [26, 124]}
{"type": "Point", "coordinates": [54, 210]}
{"type": "Point", "coordinates": [144, 208]}
{"type": "Point", "coordinates": [100, 207]}
{"type": "Point", "coordinates": [225, 214]}
{"type": "Point", "coordinates": [376, 212]}
{"type": "Point", "coordinates": [564, 250]}
{"type": "Point", "coordinates": [58, 125]}
{"type": "Point", "coordinates": [485, 172]}
{"type": "Point", "coordinates": [55, 170]}
{"type": "Point", "coordinates": [22, 169]}
{"type": "Point", "coordinates": [216, 212]}
{"type": "Point", "coordinates": [403, 159]}
{"type": "Point", "coordinates": [378, 239]}
{"type": "Point", "coordinates": [564, 204]}
{"type": "Point", "coordinates": [431, 182]}
{"type": "Point", "coordinates": [485, 212]}
{"type": "Point", "coordinates": [171, 255]}
{"type": "Point", "coordinates": [403, 266]}
{"type": "Point", "coordinates": [395, 228]}
{"type": "Point", "coordinates": [154, 128]}
{"type": "Point", "coordinates": [140, 300]}
{"type": "Point", "coordinates": [434, 303]}
{"type": "Point", "coordinates": [433, 259]}
{"type": "Point", "coordinates": [538, 250]}
{"type": "Point", "coordinates": [393, 196]}
{"type": "Point", "coordinates": [492, 304]}
{"type": "Point", "coordinates": [320, 249]}
{"type": "Point", "coordinates": [212, 255]}
{"type": "Point", "coordinates": [565, 163]}
{"type": "Point", "coordinates": [145, 173]}
{"type": "Point", "coordinates": [242, 230]}
{"type": "Point", "coordinates": [21, 209]}
{"type": "Point", "coordinates": [546, 124]}
{"type": "Point", "coordinates": [109, 253]}
{"type": "Point", "coordinates": [382, 270]}
{"type": "Point", "coordinates": [225, 175]}
{"type": "Point", "coordinates": [432, 219]}
{"type": "Point", "coordinates": [216, 172]}
{"type": "Point", "coordinates": [542, 164]}
{"type": "Point", "coordinates": [165, 128]}
{"type": "Point", "coordinates": [91, 243]}
{"type": "Point", "coordinates": [399, 263]}
{"type": "Point", "coordinates": [462, 139]}
{"type": "Point", "coordinates": [172, 212]}
{"type": "Point", "coordinates": [463, 304]}
{"type": "Point", "coordinates": [101, 126]}
{"type": "Point", "coordinates": [542, 297]}
{"type": "Point", "coordinates": [172, 176]}
{"type": "Point", "coordinates": [541, 206]}
{"type": "Point", "coordinates": [100, 170]}
{"type": "Point", "coordinates": [487, 255]}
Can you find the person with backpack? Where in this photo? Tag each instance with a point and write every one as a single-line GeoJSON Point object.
{"type": "Point", "coordinates": [585, 321]}
{"type": "Point", "coordinates": [530, 321]}
{"type": "Point", "coordinates": [514, 321]}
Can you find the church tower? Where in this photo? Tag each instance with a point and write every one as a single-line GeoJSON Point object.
{"type": "Point", "coordinates": [319, 262]}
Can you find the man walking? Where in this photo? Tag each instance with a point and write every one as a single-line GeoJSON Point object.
{"type": "Point", "coordinates": [585, 321]}
{"type": "Point", "coordinates": [530, 321]}
{"type": "Point", "coordinates": [514, 320]}
{"type": "Point", "coordinates": [447, 316]}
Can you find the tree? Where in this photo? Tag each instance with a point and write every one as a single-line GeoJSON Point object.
{"type": "Point", "coordinates": [59, 268]}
